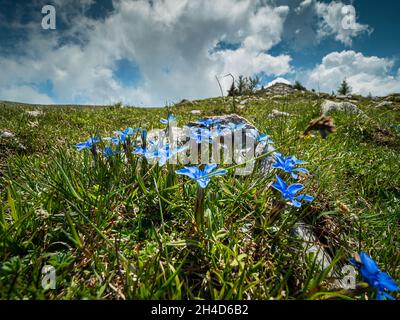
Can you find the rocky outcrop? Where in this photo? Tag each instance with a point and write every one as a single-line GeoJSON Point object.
{"type": "Point", "coordinates": [329, 106]}
{"type": "Point", "coordinates": [384, 104]}
{"type": "Point", "coordinates": [183, 102]}
{"type": "Point", "coordinates": [279, 89]}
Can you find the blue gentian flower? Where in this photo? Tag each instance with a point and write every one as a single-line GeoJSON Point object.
{"type": "Point", "coordinates": [120, 139]}
{"type": "Point", "coordinates": [142, 152]}
{"type": "Point", "coordinates": [264, 138]}
{"type": "Point", "coordinates": [153, 150]}
{"type": "Point", "coordinates": [259, 137]}
{"type": "Point", "coordinates": [163, 153]}
{"type": "Point", "coordinates": [208, 122]}
{"type": "Point", "coordinates": [108, 152]}
{"type": "Point", "coordinates": [88, 144]}
{"type": "Point", "coordinates": [289, 192]}
{"type": "Point", "coordinates": [287, 164]}
{"type": "Point", "coordinates": [159, 151]}
{"type": "Point", "coordinates": [167, 153]}
{"type": "Point", "coordinates": [202, 177]}
{"type": "Point", "coordinates": [170, 119]}
{"type": "Point", "coordinates": [127, 132]}
{"type": "Point", "coordinates": [235, 127]}
{"type": "Point", "coordinates": [122, 136]}
{"type": "Point", "coordinates": [200, 135]}
{"type": "Point", "coordinates": [218, 130]}
{"type": "Point", "coordinates": [377, 279]}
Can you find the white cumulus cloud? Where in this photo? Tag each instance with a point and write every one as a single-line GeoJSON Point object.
{"type": "Point", "coordinates": [340, 21]}
{"type": "Point", "coordinates": [365, 74]}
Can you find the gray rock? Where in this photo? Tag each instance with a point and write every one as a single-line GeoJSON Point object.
{"type": "Point", "coordinates": [6, 134]}
{"type": "Point", "coordinates": [329, 106]}
{"type": "Point", "coordinates": [276, 114]}
{"type": "Point", "coordinates": [311, 245]}
{"type": "Point", "coordinates": [195, 111]}
{"type": "Point", "coordinates": [267, 161]}
{"type": "Point", "coordinates": [384, 104]}
{"type": "Point", "coordinates": [35, 113]}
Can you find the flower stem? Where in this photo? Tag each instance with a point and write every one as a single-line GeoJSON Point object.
{"type": "Point", "coordinates": [171, 178]}
{"type": "Point", "coordinates": [199, 209]}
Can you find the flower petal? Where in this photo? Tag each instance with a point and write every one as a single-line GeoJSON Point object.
{"type": "Point", "coordinates": [277, 187]}
{"type": "Point", "coordinates": [209, 167]}
{"type": "Point", "coordinates": [203, 182]}
{"type": "Point", "coordinates": [278, 166]}
{"type": "Point", "coordinates": [368, 263]}
{"type": "Point", "coordinates": [282, 185]}
{"type": "Point", "coordinates": [162, 161]}
{"type": "Point", "coordinates": [379, 295]}
{"type": "Point", "coordinates": [387, 282]}
{"type": "Point", "coordinates": [80, 146]}
{"type": "Point", "coordinates": [295, 176]}
{"type": "Point", "coordinates": [300, 170]}
{"type": "Point", "coordinates": [305, 197]}
{"type": "Point", "coordinates": [354, 262]}
{"type": "Point", "coordinates": [188, 171]}
{"type": "Point", "coordinates": [139, 151]}
{"type": "Point", "coordinates": [294, 188]}
{"type": "Point", "coordinates": [387, 295]}
{"type": "Point", "coordinates": [296, 204]}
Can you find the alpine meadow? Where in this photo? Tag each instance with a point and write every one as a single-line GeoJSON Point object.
{"type": "Point", "coordinates": [199, 157]}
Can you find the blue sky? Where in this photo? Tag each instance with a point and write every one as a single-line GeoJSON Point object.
{"type": "Point", "coordinates": [147, 53]}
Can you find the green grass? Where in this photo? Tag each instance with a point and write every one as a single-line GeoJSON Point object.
{"type": "Point", "coordinates": [113, 231]}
